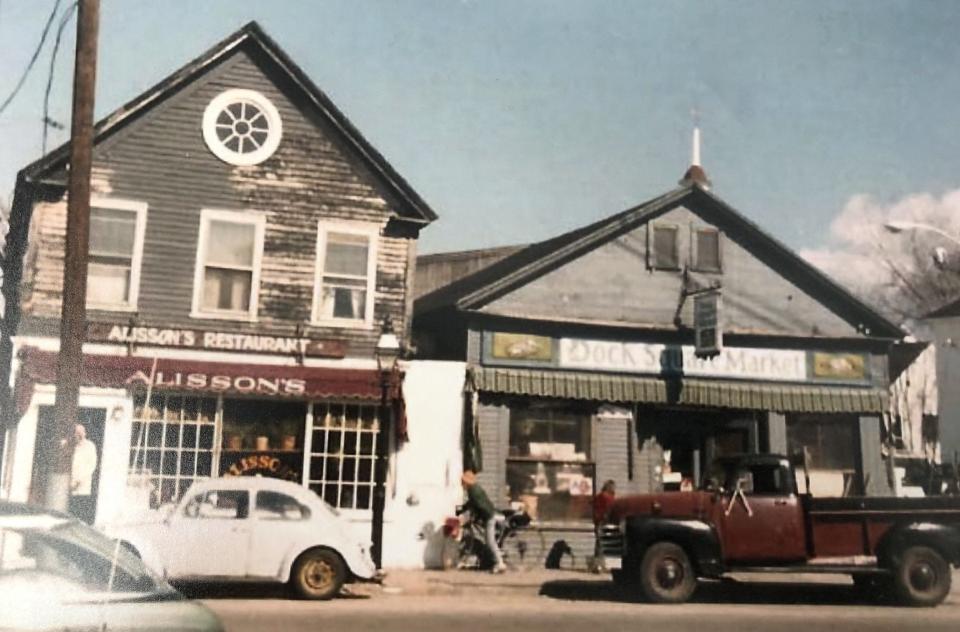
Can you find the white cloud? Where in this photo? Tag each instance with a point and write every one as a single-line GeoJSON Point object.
{"type": "Point", "coordinates": [873, 262]}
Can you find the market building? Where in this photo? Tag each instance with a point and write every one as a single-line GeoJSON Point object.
{"type": "Point", "coordinates": [247, 247]}
{"type": "Point", "coordinates": [641, 346]}
{"type": "Point", "coordinates": [945, 325]}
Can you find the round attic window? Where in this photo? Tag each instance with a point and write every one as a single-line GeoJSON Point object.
{"type": "Point", "coordinates": [242, 127]}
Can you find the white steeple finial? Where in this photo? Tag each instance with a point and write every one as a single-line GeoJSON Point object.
{"type": "Point", "coordinates": [695, 157]}
{"type": "Point", "coordinates": [695, 173]}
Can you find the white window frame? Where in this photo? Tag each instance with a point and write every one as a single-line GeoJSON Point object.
{"type": "Point", "coordinates": [219, 149]}
{"type": "Point", "coordinates": [140, 208]}
{"type": "Point", "coordinates": [342, 479]}
{"type": "Point", "coordinates": [258, 220]}
{"type": "Point", "coordinates": [372, 232]}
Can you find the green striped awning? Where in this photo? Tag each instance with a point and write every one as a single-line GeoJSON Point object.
{"type": "Point", "coordinates": [811, 398]}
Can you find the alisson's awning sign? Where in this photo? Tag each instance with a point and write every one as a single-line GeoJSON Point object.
{"type": "Point", "coordinates": [239, 378]}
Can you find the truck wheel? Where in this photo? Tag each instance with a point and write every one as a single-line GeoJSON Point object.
{"type": "Point", "coordinates": [666, 575]}
{"type": "Point", "coordinates": [318, 574]}
{"type": "Point", "coordinates": [923, 577]}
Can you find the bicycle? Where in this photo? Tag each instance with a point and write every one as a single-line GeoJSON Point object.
{"type": "Point", "coordinates": [521, 544]}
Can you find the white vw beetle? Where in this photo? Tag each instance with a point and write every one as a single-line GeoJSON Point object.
{"type": "Point", "coordinates": [252, 529]}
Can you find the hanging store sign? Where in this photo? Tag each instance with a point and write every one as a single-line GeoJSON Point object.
{"type": "Point", "coordinates": [782, 365]}
{"type": "Point", "coordinates": [214, 340]}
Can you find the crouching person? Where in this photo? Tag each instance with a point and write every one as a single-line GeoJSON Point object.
{"type": "Point", "coordinates": [481, 509]}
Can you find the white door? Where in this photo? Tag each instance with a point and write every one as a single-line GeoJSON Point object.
{"type": "Point", "coordinates": [278, 521]}
{"type": "Point", "coordinates": [211, 536]}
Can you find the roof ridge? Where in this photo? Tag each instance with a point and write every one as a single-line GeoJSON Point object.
{"type": "Point", "coordinates": [250, 31]}
{"type": "Point", "coordinates": [551, 249]}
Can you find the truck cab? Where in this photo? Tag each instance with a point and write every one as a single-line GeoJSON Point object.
{"type": "Point", "coordinates": [748, 516]}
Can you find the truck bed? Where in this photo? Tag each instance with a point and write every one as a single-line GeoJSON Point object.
{"type": "Point", "coordinates": [854, 525]}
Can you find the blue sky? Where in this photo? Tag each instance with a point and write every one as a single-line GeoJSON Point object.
{"type": "Point", "coordinates": [517, 120]}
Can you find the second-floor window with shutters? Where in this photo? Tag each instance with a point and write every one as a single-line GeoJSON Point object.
{"type": "Point", "coordinates": [228, 265]}
{"type": "Point", "coordinates": [706, 250]}
{"type": "Point", "coordinates": [116, 244]}
{"type": "Point", "coordinates": [664, 251]}
{"type": "Point", "coordinates": [346, 271]}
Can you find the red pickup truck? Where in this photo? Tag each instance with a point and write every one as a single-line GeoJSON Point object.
{"type": "Point", "coordinates": [748, 517]}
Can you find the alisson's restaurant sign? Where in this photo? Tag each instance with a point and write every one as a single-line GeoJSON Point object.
{"type": "Point", "coordinates": [781, 365]}
{"type": "Point", "coordinates": [214, 340]}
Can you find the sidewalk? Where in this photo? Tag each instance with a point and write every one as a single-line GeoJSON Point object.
{"type": "Point", "coordinates": [456, 582]}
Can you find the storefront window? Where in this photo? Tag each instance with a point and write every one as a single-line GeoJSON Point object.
{"type": "Point", "coordinates": [548, 468]}
{"type": "Point", "coordinates": [172, 443]}
{"type": "Point", "coordinates": [829, 439]}
{"type": "Point", "coordinates": [342, 454]}
{"type": "Point", "coordinates": [263, 425]}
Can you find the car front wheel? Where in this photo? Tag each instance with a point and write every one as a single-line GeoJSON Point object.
{"type": "Point", "coordinates": [318, 574]}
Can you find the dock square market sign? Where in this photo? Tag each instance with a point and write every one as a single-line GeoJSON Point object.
{"type": "Point", "coordinates": [614, 356]}
{"type": "Point", "coordinates": [747, 363]}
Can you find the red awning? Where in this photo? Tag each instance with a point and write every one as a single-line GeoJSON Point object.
{"type": "Point", "coordinates": [297, 382]}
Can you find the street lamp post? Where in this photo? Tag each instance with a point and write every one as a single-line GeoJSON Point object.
{"type": "Point", "coordinates": [939, 253]}
{"type": "Point", "coordinates": [387, 353]}
{"type": "Point", "coordinates": [899, 227]}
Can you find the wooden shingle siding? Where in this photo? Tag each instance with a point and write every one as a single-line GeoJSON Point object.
{"type": "Point", "coordinates": [161, 160]}
{"type": "Point", "coordinates": [614, 285]}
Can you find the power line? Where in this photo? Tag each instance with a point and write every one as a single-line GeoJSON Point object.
{"type": "Point", "coordinates": [33, 60]}
{"type": "Point", "coordinates": [47, 123]}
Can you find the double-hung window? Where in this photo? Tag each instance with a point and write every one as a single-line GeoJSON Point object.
{"type": "Point", "coordinates": [116, 247]}
{"type": "Point", "coordinates": [664, 251]}
{"type": "Point", "coordinates": [228, 265]}
{"type": "Point", "coordinates": [706, 249]}
{"type": "Point", "coordinates": [346, 274]}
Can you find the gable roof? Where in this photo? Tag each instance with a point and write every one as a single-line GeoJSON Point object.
{"type": "Point", "coordinates": [414, 208]}
{"type": "Point", "coordinates": [474, 291]}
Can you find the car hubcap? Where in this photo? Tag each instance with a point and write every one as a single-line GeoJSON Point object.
{"type": "Point", "coordinates": [318, 575]}
{"type": "Point", "coordinates": [923, 576]}
{"type": "Point", "coordinates": [669, 574]}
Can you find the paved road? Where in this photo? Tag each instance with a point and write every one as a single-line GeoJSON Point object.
{"type": "Point", "coordinates": [583, 606]}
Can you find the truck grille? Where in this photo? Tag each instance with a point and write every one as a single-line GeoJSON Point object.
{"type": "Point", "coordinates": [611, 541]}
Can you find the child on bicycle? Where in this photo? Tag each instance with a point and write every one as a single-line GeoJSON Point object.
{"type": "Point", "coordinates": [482, 510]}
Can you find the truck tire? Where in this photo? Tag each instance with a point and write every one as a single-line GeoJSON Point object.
{"type": "Point", "coordinates": [666, 574]}
{"type": "Point", "coordinates": [318, 574]}
{"type": "Point", "coordinates": [922, 578]}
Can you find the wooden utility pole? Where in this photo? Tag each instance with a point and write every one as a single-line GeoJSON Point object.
{"type": "Point", "coordinates": [74, 312]}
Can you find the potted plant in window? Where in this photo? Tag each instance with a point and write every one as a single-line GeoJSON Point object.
{"type": "Point", "coordinates": [289, 430]}
{"type": "Point", "coordinates": [232, 439]}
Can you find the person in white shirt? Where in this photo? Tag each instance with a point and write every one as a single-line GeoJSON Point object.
{"type": "Point", "coordinates": [81, 475]}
